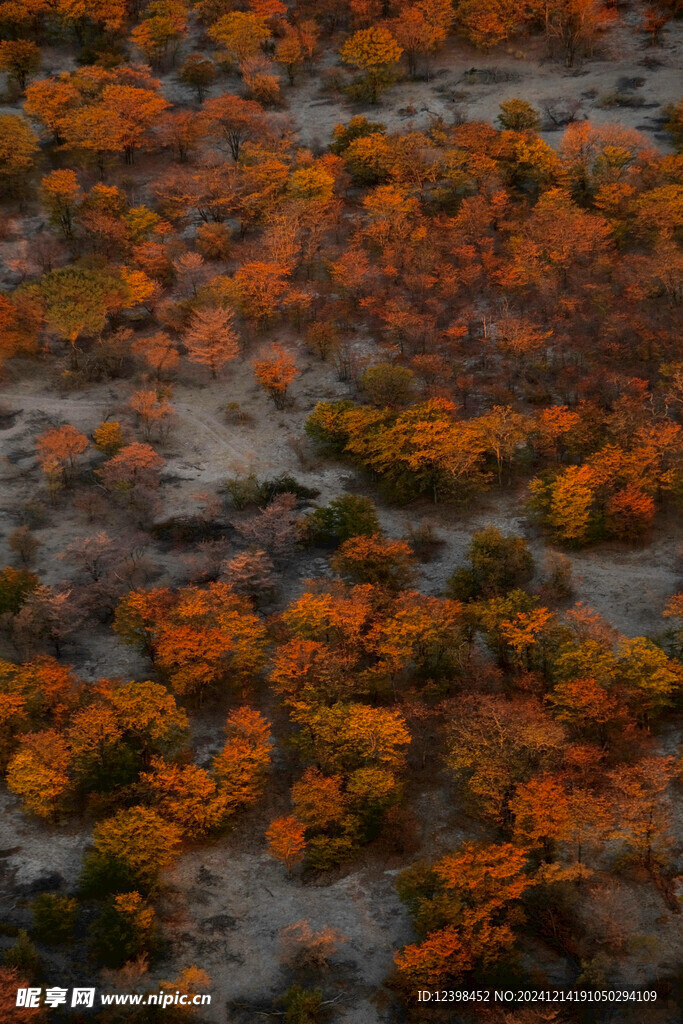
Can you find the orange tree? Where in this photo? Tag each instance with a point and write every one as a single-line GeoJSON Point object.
{"type": "Point", "coordinates": [200, 638]}
{"type": "Point", "coordinates": [275, 373]}
{"type": "Point", "coordinates": [466, 906]}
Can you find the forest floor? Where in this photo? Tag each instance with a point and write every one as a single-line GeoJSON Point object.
{"type": "Point", "coordinates": [228, 900]}
{"type": "Point", "coordinates": [625, 82]}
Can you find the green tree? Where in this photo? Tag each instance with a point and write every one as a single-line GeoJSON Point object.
{"type": "Point", "coordinates": [77, 302]}
{"type": "Point", "coordinates": [498, 565]}
{"type": "Point", "coordinates": [345, 517]}
{"type": "Point", "coordinates": [54, 918]}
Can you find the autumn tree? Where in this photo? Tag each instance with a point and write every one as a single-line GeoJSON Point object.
{"type": "Point", "coordinates": [159, 352]}
{"type": "Point", "coordinates": [259, 289]}
{"type": "Point", "coordinates": [420, 28]}
{"type": "Point", "coordinates": [39, 773]}
{"type": "Point", "coordinates": [548, 812]}
{"type": "Point", "coordinates": [163, 25]}
{"type": "Point", "coordinates": [201, 638]}
{"type": "Point", "coordinates": [388, 385]}
{"type": "Point", "coordinates": [199, 72]}
{"type": "Point", "coordinates": [11, 980]}
{"type": "Point", "coordinates": [240, 35]}
{"type": "Point", "coordinates": [153, 409]}
{"type": "Point", "coordinates": [371, 559]}
{"type": "Point", "coordinates": [18, 149]}
{"type": "Point", "coordinates": [242, 766]}
{"type": "Point", "coordinates": [641, 812]}
{"type": "Point", "coordinates": [574, 26]}
{"type": "Point", "coordinates": [211, 339]}
{"type": "Point", "coordinates": [496, 744]}
{"type": "Point", "coordinates": [108, 437]}
{"type": "Point", "coordinates": [275, 373]}
{"type": "Point", "coordinates": [140, 840]}
{"type": "Point", "coordinates": [466, 906]}
{"type": "Point", "coordinates": [133, 473]}
{"type": "Point", "coordinates": [186, 795]}
{"type": "Point", "coordinates": [60, 194]}
{"type": "Point", "coordinates": [77, 302]}
{"type": "Point", "coordinates": [15, 585]}
{"type": "Point", "coordinates": [286, 841]}
{"type": "Point", "coordinates": [236, 120]}
{"type": "Point", "coordinates": [250, 573]}
{"type": "Point", "coordinates": [518, 115]}
{"type": "Point", "coordinates": [374, 52]}
{"type": "Point", "coordinates": [20, 59]}
{"type": "Point", "coordinates": [58, 451]}
{"type": "Point", "coordinates": [486, 23]}
{"type": "Point", "coordinates": [297, 48]}
{"type": "Point", "coordinates": [149, 717]}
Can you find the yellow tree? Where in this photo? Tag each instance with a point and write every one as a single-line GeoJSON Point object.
{"type": "Point", "coordinates": [140, 839]}
{"type": "Point", "coordinates": [39, 773]}
{"type": "Point", "coordinates": [240, 34]}
{"type": "Point", "coordinates": [375, 53]}
{"type": "Point", "coordinates": [18, 149]}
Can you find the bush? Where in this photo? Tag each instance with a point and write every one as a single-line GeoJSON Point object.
{"type": "Point", "coordinates": [303, 1005]}
{"type": "Point", "coordinates": [388, 385]}
{"type": "Point", "coordinates": [423, 540]}
{"type": "Point", "coordinates": [234, 414]}
{"type": "Point", "coordinates": [243, 490]}
{"type": "Point", "coordinates": [346, 517]}
{"type": "Point", "coordinates": [124, 929]}
{"type": "Point", "coordinates": [54, 918]}
{"type": "Point", "coordinates": [384, 563]}
{"type": "Point", "coordinates": [519, 115]}
{"type": "Point", "coordinates": [15, 587]}
{"type": "Point", "coordinates": [285, 484]}
{"type": "Point", "coordinates": [302, 948]}
{"type": "Point", "coordinates": [24, 956]}
{"type": "Point", "coordinates": [498, 564]}
{"type": "Point", "coordinates": [102, 876]}
{"type": "Point", "coordinates": [322, 338]}
{"type": "Point", "coordinates": [557, 584]}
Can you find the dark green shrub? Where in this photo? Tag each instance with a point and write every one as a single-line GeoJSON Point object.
{"type": "Point", "coordinates": [388, 385]}
{"type": "Point", "coordinates": [54, 918]}
{"type": "Point", "coordinates": [345, 517]}
{"type": "Point", "coordinates": [498, 563]}
{"type": "Point", "coordinates": [24, 956]}
{"type": "Point", "coordinates": [15, 586]}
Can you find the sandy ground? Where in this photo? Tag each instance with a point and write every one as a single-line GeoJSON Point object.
{"type": "Point", "coordinates": [522, 70]}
